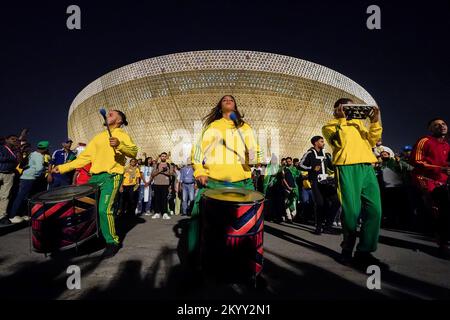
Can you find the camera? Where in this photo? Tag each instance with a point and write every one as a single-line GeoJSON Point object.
{"type": "Point", "coordinates": [357, 111]}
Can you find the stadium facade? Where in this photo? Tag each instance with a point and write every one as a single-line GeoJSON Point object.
{"type": "Point", "coordinates": [285, 99]}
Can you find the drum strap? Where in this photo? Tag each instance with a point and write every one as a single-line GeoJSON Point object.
{"type": "Point", "coordinates": [10, 151]}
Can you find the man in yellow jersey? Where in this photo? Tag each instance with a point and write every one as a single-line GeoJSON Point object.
{"type": "Point", "coordinates": [358, 188]}
{"type": "Point", "coordinates": [108, 157]}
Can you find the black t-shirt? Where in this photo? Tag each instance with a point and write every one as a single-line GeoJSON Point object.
{"type": "Point", "coordinates": [309, 162]}
{"type": "Point", "coordinates": [289, 177]}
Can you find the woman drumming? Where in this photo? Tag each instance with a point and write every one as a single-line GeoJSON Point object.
{"type": "Point", "coordinates": [222, 156]}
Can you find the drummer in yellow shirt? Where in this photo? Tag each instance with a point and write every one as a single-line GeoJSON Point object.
{"type": "Point", "coordinates": [108, 158]}
{"type": "Point", "coordinates": [220, 158]}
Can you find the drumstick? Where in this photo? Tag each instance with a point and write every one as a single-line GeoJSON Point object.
{"type": "Point", "coordinates": [103, 113]}
{"type": "Point", "coordinates": [233, 117]}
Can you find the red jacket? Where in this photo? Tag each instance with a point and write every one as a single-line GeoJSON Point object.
{"type": "Point", "coordinates": [83, 175]}
{"type": "Point", "coordinates": [428, 157]}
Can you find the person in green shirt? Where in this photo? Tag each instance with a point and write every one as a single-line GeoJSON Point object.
{"type": "Point", "coordinates": [291, 193]}
{"type": "Point", "coordinates": [33, 171]}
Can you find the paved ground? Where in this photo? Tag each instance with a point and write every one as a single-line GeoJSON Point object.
{"type": "Point", "coordinates": [298, 265]}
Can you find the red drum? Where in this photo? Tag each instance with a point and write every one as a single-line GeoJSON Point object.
{"type": "Point", "coordinates": [63, 218]}
{"type": "Point", "coordinates": [232, 230]}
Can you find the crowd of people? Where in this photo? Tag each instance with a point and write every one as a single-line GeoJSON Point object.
{"type": "Point", "coordinates": [151, 186]}
{"type": "Point", "coordinates": [360, 184]}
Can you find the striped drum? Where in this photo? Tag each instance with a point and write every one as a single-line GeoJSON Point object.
{"type": "Point", "coordinates": [232, 230]}
{"type": "Point", "coordinates": [63, 218]}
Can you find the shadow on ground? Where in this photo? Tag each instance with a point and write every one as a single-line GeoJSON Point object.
{"type": "Point", "coordinates": [168, 279]}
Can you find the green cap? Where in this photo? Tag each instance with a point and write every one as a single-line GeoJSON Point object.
{"type": "Point", "coordinates": [43, 144]}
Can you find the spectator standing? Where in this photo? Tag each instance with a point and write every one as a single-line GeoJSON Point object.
{"type": "Point", "coordinates": [394, 193]}
{"type": "Point", "coordinates": [322, 185]}
{"type": "Point", "coordinates": [9, 159]}
{"type": "Point", "coordinates": [161, 174]}
{"type": "Point", "coordinates": [187, 182]}
{"type": "Point", "coordinates": [431, 175]}
{"type": "Point", "coordinates": [34, 171]}
{"type": "Point", "coordinates": [273, 190]}
{"type": "Point", "coordinates": [129, 188]}
{"type": "Point", "coordinates": [173, 190]}
{"type": "Point", "coordinates": [60, 157]}
{"type": "Point", "coordinates": [257, 176]}
{"type": "Point", "coordinates": [82, 175]}
{"type": "Point", "coordinates": [291, 193]}
{"type": "Point", "coordinates": [145, 189]}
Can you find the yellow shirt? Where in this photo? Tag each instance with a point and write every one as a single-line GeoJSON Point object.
{"type": "Point", "coordinates": [221, 155]}
{"type": "Point", "coordinates": [306, 183]}
{"type": "Point", "coordinates": [130, 178]}
{"type": "Point", "coordinates": [47, 159]}
{"type": "Point", "coordinates": [103, 157]}
{"type": "Point", "coordinates": [350, 140]}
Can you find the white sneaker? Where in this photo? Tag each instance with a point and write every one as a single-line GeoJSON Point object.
{"type": "Point", "coordinates": [156, 216]}
{"type": "Point", "coordinates": [171, 213]}
{"type": "Point", "coordinates": [166, 216]}
{"type": "Point", "coordinates": [339, 224]}
{"type": "Point", "coordinates": [26, 218]}
{"type": "Point", "coordinates": [16, 219]}
{"type": "Point", "coordinates": [335, 224]}
{"type": "Point", "coordinates": [147, 213]}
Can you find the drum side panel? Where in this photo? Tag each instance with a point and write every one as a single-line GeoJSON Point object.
{"type": "Point", "coordinates": [62, 225]}
{"type": "Point", "coordinates": [232, 238]}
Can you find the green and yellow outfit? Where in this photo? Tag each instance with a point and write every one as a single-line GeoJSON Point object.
{"type": "Point", "coordinates": [222, 157]}
{"type": "Point", "coordinates": [107, 170]}
{"type": "Point", "coordinates": [270, 177]}
{"type": "Point", "coordinates": [292, 197]}
{"type": "Point", "coordinates": [358, 188]}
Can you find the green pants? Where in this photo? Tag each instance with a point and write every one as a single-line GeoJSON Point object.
{"type": "Point", "coordinates": [108, 185]}
{"type": "Point", "coordinates": [359, 193]}
{"type": "Point", "coordinates": [194, 232]}
{"type": "Point", "coordinates": [290, 200]}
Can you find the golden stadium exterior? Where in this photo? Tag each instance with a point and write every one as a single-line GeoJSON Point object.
{"type": "Point", "coordinates": [285, 99]}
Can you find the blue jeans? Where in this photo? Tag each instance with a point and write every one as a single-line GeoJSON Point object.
{"type": "Point", "coordinates": [188, 197]}
{"type": "Point", "coordinates": [307, 196]}
{"type": "Point", "coordinates": [144, 206]}
{"type": "Point", "coordinates": [25, 187]}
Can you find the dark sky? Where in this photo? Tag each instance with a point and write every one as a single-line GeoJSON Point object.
{"type": "Point", "coordinates": [405, 66]}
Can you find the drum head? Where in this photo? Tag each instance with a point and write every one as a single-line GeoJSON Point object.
{"type": "Point", "coordinates": [65, 193]}
{"type": "Point", "coordinates": [234, 195]}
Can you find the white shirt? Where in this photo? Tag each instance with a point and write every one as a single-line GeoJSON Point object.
{"type": "Point", "coordinates": [146, 172]}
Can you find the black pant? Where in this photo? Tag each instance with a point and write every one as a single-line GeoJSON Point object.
{"type": "Point", "coordinates": [396, 206]}
{"type": "Point", "coordinates": [441, 199]}
{"type": "Point", "coordinates": [161, 193]}
{"type": "Point", "coordinates": [326, 203]}
{"type": "Point", "coordinates": [129, 201]}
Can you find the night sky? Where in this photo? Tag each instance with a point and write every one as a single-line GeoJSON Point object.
{"type": "Point", "coordinates": [405, 66]}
